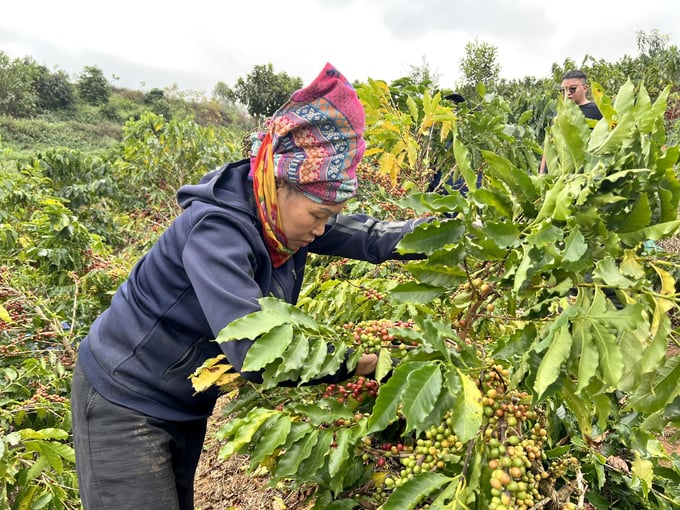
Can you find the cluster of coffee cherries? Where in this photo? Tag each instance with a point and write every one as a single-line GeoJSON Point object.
{"type": "Point", "coordinates": [372, 335]}
{"type": "Point", "coordinates": [16, 313]}
{"type": "Point", "coordinates": [335, 269]}
{"type": "Point", "coordinates": [393, 210]}
{"type": "Point", "coordinates": [433, 450]}
{"type": "Point", "coordinates": [386, 456]}
{"type": "Point", "coordinates": [437, 447]}
{"type": "Point", "coordinates": [385, 451]}
{"type": "Point", "coordinates": [372, 294]}
{"type": "Point", "coordinates": [7, 350]}
{"type": "Point", "coordinates": [97, 263]}
{"type": "Point", "coordinates": [367, 173]}
{"type": "Point", "coordinates": [515, 471]}
{"type": "Point", "coordinates": [358, 389]}
{"type": "Point", "coordinates": [513, 444]}
{"type": "Point", "coordinates": [42, 396]}
{"type": "Point", "coordinates": [562, 466]}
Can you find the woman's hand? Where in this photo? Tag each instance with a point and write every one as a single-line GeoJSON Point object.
{"type": "Point", "coordinates": [366, 364]}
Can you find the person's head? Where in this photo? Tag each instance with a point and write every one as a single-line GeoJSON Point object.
{"type": "Point", "coordinates": [455, 98]}
{"type": "Point", "coordinates": [304, 167]}
{"type": "Point", "coordinates": [575, 86]}
{"type": "Point", "coordinates": [317, 138]}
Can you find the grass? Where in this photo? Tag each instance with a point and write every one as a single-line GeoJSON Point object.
{"type": "Point", "coordinates": [37, 134]}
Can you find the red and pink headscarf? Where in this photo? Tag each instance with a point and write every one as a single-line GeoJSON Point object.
{"type": "Point", "coordinates": [314, 142]}
{"type": "Point", "coordinates": [317, 138]}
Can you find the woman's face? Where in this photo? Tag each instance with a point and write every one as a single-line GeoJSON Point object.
{"type": "Point", "coordinates": [302, 219]}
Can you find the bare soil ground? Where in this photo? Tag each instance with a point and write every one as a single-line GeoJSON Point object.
{"type": "Point", "coordinates": [227, 485]}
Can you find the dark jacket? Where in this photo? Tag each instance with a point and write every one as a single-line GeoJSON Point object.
{"type": "Point", "coordinates": [207, 269]}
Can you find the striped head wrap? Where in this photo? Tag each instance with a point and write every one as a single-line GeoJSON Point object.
{"type": "Point", "coordinates": [317, 138]}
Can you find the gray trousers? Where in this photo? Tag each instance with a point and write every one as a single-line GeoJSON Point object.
{"type": "Point", "coordinates": [126, 460]}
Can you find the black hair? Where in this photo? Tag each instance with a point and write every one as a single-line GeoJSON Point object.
{"type": "Point", "coordinates": [455, 97]}
{"type": "Point", "coordinates": [576, 73]}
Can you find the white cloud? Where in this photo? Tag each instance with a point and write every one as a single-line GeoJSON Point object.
{"type": "Point", "coordinates": [196, 44]}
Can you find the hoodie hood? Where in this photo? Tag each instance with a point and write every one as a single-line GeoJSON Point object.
{"type": "Point", "coordinates": [228, 187]}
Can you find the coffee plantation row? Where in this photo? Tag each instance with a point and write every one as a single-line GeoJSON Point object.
{"type": "Point", "coordinates": [529, 361]}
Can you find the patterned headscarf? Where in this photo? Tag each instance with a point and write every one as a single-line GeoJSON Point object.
{"type": "Point", "coordinates": [317, 138]}
{"type": "Point", "coordinates": [314, 142]}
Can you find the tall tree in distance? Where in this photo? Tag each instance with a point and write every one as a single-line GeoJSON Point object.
{"type": "Point", "coordinates": [424, 75]}
{"type": "Point", "coordinates": [651, 44]}
{"type": "Point", "coordinates": [263, 91]}
{"type": "Point", "coordinates": [17, 95]}
{"type": "Point", "coordinates": [54, 89]}
{"type": "Point", "coordinates": [659, 62]}
{"type": "Point", "coordinates": [479, 65]}
{"type": "Point", "coordinates": [93, 88]}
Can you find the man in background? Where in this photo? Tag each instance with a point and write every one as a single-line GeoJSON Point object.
{"type": "Point", "coordinates": [575, 87]}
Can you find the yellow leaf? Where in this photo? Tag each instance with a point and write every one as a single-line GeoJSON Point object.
{"type": "Point", "coordinates": [227, 377]}
{"type": "Point", "coordinates": [4, 315]}
{"type": "Point", "coordinates": [372, 150]}
{"type": "Point", "coordinates": [446, 129]}
{"type": "Point", "coordinates": [230, 380]}
{"type": "Point", "coordinates": [213, 361]}
{"type": "Point", "coordinates": [398, 147]}
{"type": "Point", "coordinates": [278, 504]}
{"type": "Point", "coordinates": [426, 124]}
{"type": "Point", "coordinates": [412, 152]}
{"type": "Point", "coordinates": [379, 478]}
{"type": "Point", "coordinates": [391, 127]}
{"type": "Point", "coordinates": [210, 362]}
{"type": "Point", "coordinates": [667, 281]}
{"type": "Point", "coordinates": [644, 470]}
{"type": "Point", "coordinates": [207, 376]}
{"type": "Point", "coordinates": [387, 164]}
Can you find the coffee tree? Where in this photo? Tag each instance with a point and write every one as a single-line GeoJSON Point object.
{"type": "Point", "coordinates": [522, 362]}
{"type": "Point", "coordinates": [71, 226]}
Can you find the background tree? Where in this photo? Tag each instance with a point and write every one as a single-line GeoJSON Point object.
{"type": "Point", "coordinates": [424, 75]}
{"type": "Point", "coordinates": [479, 65]}
{"type": "Point", "coordinates": [223, 93]}
{"type": "Point", "coordinates": [54, 89]}
{"type": "Point", "coordinates": [659, 62]}
{"type": "Point", "coordinates": [157, 103]}
{"type": "Point", "coordinates": [153, 95]}
{"type": "Point", "coordinates": [651, 44]}
{"type": "Point", "coordinates": [17, 96]}
{"type": "Point", "coordinates": [93, 87]}
{"type": "Point", "coordinates": [263, 91]}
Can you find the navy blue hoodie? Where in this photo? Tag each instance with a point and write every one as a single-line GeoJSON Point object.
{"type": "Point", "coordinates": [207, 269]}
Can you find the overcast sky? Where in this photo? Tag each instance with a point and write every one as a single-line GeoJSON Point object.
{"type": "Point", "coordinates": [194, 44]}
